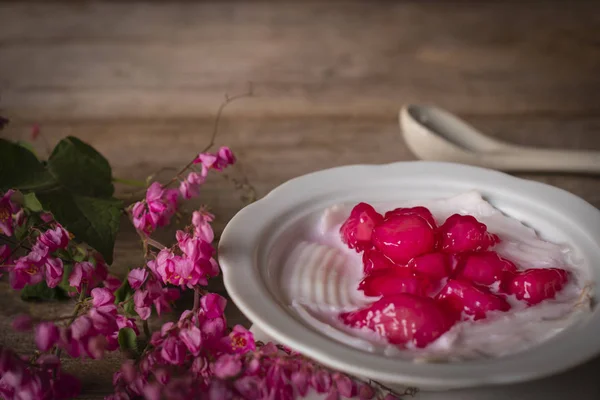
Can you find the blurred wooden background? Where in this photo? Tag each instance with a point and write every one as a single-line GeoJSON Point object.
{"type": "Point", "coordinates": [141, 81]}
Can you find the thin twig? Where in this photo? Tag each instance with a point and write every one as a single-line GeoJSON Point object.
{"type": "Point", "coordinates": [74, 315]}
{"type": "Point", "coordinates": [154, 243]}
{"type": "Point", "coordinates": [213, 136]}
{"type": "Point", "coordinates": [18, 245]}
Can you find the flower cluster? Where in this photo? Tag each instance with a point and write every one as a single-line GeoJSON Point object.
{"type": "Point", "coordinates": [42, 262]}
{"type": "Point", "coordinates": [90, 334]}
{"type": "Point", "coordinates": [197, 357]}
{"type": "Point", "coordinates": [8, 213]}
{"type": "Point", "coordinates": [38, 378]}
{"type": "Point", "coordinates": [160, 204]}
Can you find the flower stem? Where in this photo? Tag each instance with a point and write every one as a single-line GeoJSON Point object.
{"type": "Point", "coordinates": [130, 182]}
{"type": "Point", "coordinates": [213, 136]}
{"type": "Point", "coordinates": [154, 243]}
{"type": "Point", "coordinates": [73, 316]}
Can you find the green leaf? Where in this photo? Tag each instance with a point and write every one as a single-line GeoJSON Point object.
{"type": "Point", "coordinates": [92, 220]}
{"type": "Point", "coordinates": [128, 341]}
{"type": "Point", "coordinates": [22, 231]}
{"type": "Point", "coordinates": [129, 307]}
{"type": "Point", "coordinates": [41, 292]}
{"type": "Point", "coordinates": [122, 292]}
{"type": "Point", "coordinates": [64, 284]}
{"type": "Point", "coordinates": [20, 169]}
{"type": "Point", "coordinates": [80, 168]}
{"type": "Point", "coordinates": [28, 146]}
{"type": "Point", "coordinates": [31, 202]}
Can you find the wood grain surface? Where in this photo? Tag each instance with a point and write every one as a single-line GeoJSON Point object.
{"type": "Point", "coordinates": [141, 82]}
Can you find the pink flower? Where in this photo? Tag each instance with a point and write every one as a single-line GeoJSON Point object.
{"type": "Point", "coordinates": [40, 250]}
{"type": "Point", "coordinates": [300, 380]}
{"type": "Point", "coordinates": [242, 340]}
{"type": "Point", "coordinates": [193, 247]}
{"type": "Point", "coordinates": [173, 351]}
{"type": "Point", "coordinates": [167, 296]}
{"type": "Point", "coordinates": [321, 381]}
{"type": "Point", "coordinates": [46, 217]}
{"type": "Point", "coordinates": [142, 220]}
{"type": "Point", "coordinates": [365, 392]}
{"type": "Point", "coordinates": [222, 159]}
{"type": "Point", "coordinates": [137, 277]}
{"type": "Point", "coordinates": [190, 186]}
{"type": "Point", "coordinates": [82, 327]}
{"type": "Point", "coordinates": [213, 305]}
{"type": "Point", "coordinates": [7, 208]}
{"type": "Point", "coordinates": [142, 303]}
{"type": "Point", "coordinates": [197, 265]}
{"type": "Point", "coordinates": [225, 158]}
{"type": "Point", "coordinates": [104, 300]}
{"type": "Point", "coordinates": [112, 283]}
{"type": "Point", "coordinates": [54, 271]}
{"type": "Point", "coordinates": [162, 203]}
{"type": "Point", "coordinates": [164, 265]}
{"type": "Point", "coordinates": [46, 335]}
{"type": "Point", "coordinates": [81, 275]}
{"type": "Point", "coordinates": [344, 385]}
{"type": "Point", "coordinates": [249, 387]}
{"type": "Point", "coordinates": [202, 228]}
{"type": "Point", "coordinates": [103, 322]}
{"type": "Point", "coordinates": [192, 338]}
{"type": "Point", "coordinates": [151, 391]}
{"type": "Point", "coordinates": [22, 323]}
{"type": "Point", "coordinates": [57, 238]}
{"type": "Point", "coordinates": [124, 322]}
{"type": "Point", "coordinates": [227, 366]}
{"type": "Point", "coordinates": [213, 329]}
{"type": "Point", "coordinates": [27, 271]}
{"type": "Point", "coordinates": [207, 160]}
{"type": "Point", "coordinates": [97, 346]}
{"type": "Point", "coordinates": [161, 375]}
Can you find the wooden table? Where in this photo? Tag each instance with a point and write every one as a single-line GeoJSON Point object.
{"type": "Point", "coordinates": [142, 81]}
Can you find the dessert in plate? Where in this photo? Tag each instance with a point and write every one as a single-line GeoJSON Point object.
{"type": "Point", "coordinates": [448, 276]}
{"type": "Point", "coordinates": [437, 280]}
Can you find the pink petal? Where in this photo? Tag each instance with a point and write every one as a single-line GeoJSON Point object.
{"type": "Point", "coordinates": [213, 305]}
{"type": "Point", "coordinates": [137, 277]}
{"type": "Point", "coordinates": [192, 338]}
{"type": "Point", "coordinates": [227, 366]}
{"type": "Point", "coordinates": [46, 335]}
{"type": "Point", "coordinates": [54, 271]}
{"type": "Point", "coordinates": [102, 297]}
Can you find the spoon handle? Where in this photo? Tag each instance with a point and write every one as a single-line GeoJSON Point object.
{"type": "Point", "coordinates": [519, 158]}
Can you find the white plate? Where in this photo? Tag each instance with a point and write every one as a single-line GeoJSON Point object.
{"type": "Point", "coordinates": [252, 282]}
